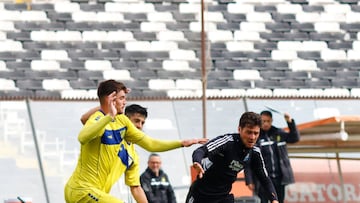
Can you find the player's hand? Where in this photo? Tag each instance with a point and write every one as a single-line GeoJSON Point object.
{"type": "Point", "coordinates": [287, 117]}
{"type": "Point", "coordinates": [199, 170]}
{"type": "Point", "coordinates": [112, 104]}
{"type": "Point", "coordinates": [188, 143]}
{"type": "Point", "coordinates": [274, 201]}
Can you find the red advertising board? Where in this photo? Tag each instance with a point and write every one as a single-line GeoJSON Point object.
{"type": "Point", "coordinates": [317, 181]}
{"type": "Point", "coordinates": [324, 187]}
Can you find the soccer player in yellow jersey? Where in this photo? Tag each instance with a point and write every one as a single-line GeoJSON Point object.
{"type": "Point", "coordinates": [106, 150]}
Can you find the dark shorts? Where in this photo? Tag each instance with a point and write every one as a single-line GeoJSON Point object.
{"type": "Point", "coordinates": [195, 198]}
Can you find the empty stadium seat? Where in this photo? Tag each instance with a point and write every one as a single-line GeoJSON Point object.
{"type": "Point", "coordinates": [217, 84]}
{"type": "Point", "coordinates": [308, 41]}
{"type": "Point", "coordinates": [117, 75]}
{"type": "Point", "coordinates": [7, 84]}
{"type": "Point", "coordinates": [273, 74]}
{"type": "Point", "coordinates": [188, 84]}
{"type": "Point", "coordinates": [41, 65]}
{"type": "Point", "coordinates": [83, 84]}
{"type": "Point", "coordinates": [30, 84]}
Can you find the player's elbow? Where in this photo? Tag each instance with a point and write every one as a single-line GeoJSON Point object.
{"type": "Point", "coordinates": [83, 119]}
{"type": "Point", "coordinates": [82, 138]}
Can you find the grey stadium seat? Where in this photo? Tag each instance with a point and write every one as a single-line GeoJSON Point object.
{"type": "Point", "coordinates": [292, 84]}
{"type": "Point", "coordinates": [278, 27]}
{"type": "Point", "coordinates": [217, 84]}
{"type": "Point", "coordinates": [78, 26]}
{"type": "Point", "coordinates": [265, 8]}
{"type": "Point", "coordinates": [272, 74]}
{"type": "Point", "coordinates": [42, 7]}
{"type": "Point", "coordinates": [145, 36]}
{"type": "Point", "coordinates": [298, 75]}
{"type": "Point", "coordinates": [61, 45]}
{"type": "Point", "coordinates": [312, 8]}
{"type": "Point", "coordinates": [309, 55]}
{"type": "Point", "coordinates": [113, 45]}
{"type": "Point", "coordinates": [266, 46]}
{"type": "Point", "coordinates": [106, 55]}
{"type": "Point", "coordinates": [83, 84]}
{"type": "Point", "coordinates": [165, 7]}
{"type": "Point", "coordinates": [325, 74]}
{"type": "Point", "coordinates": [163, 74]}
{"type": "Point", "coordinates": [303, 27]}
{"type": "Point", "coordinates": [235, 17]}
{"type": "Point", "coordinates": [297, 36]}
{"type": "Point", "coordinates": [28, 55]}
{"type": "Point", "coordinates": [326, 36]}
{"type": "Point", "coordinates": [137, 85]}
{"type": "Point", "coordinates": [267, 84]}
{"type": "Point", "coordinates": [30, 84]}
{"type": "Point", "coordinates": [278, 65]}
{"type": "Point", "coordinates": [90, 75]}
{"type": "Point", "coordinates": [127, 65]}
{"type": "Point", "coordinates": [320, 83]}
{"type": "Point", "coordinates": [45, 94]}
{"type": "Point", "coordinates": [21, 94]}
{"type": "Point", "coordinates": [53, 26]}
{"type": "Point", "coordinates": [18, 65]}
{"type": "Point", "coordinates": [8, 56]}
{"type": "Point", "coordinates": [220, 75]}
{"type": "Point", "coordinates": [347, 74]}
{"type": "Point", "coordinates": [13, 75]}
{"type": "Point", "coordinates": [68, 75]}
{"type": "Point", "coordinates": [15, 7]}
{"type": "Point", "coordinates": [37, 75]}
{"type": "Point", "coordinates": [143, 74]}
{"type": "Point", "coordinates": [344, 83]}
{"type": "Point", "coordinates": [35, 45]}
{"type": "Point", "coordinates": [72, 65]}
{"type": "Point", "coordinates": [92, 7]}
{"type": "Point", "coordinates": [19, 36]}
{"type": "Point", "coordinates": [239, 84]}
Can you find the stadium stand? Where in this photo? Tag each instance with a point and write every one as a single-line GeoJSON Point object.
{"type": "Point", "coordinates": [311, 44]}
{"type": "Point", "coordinates": [262, 49]}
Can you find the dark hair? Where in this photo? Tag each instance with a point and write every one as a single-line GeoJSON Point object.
{"type": "Point", "coordinates": [266, 113]}
{"type": "Point", "coordinates": [107, 87]}
{"type": "Point", "coordinates": [250, 119]}
{"type": "Point", "coordinates": [153, 154]}
{"type": "Point", "coordinates": [135, 108]}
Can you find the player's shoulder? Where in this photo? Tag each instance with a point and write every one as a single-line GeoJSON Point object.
{"type": "Point", "coordinates": [256, 149]}
{"type": "Point", "coordinates": [123, 119]}
{"type": "Point", "coordinates": [226, 137]}
{"type": "Point", "coordinates": [96, 115]}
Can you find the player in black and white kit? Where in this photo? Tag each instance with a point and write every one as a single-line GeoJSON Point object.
{"type": "Point", "coordinates": [218, 162]}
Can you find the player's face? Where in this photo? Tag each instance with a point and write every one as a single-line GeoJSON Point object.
{"type": "Point", "coordinates": [120, 101]}
{"type": "Point", "coordinates": [266, 122]}
{"type": "Point", "coordinates": [154, 164]}
{"type": "Point", "coordinates": [249, 135]}
{"type": "Point", "coordinates": [138, 120]}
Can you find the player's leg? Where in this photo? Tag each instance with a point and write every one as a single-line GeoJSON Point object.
{"type": "Point", "coordinates": [228, 199]}
{"type": "Point", "coordinates": [109, 199]}
{"type": "Point", "coordinates": [89, 195]}
{"type": "Point", "coordinates": [280, 190]}
{"type": "Point", "coordinates": [262, 195]}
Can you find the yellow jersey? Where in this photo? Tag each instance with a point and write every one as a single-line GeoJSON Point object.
{"type": "Point", "coordinates": [107, 152]}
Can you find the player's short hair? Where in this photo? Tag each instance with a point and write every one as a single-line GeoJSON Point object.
{"type": "Point", "coordinates": [266, 113]}
{"type": "Point", "coordinates": [153, 155]}
{"type": "Point", "coordinates": [107, 87]}
{"type": "Point", "coordinates": [250, 119]}
{"type": "Point", "coordinates": [135, 108]}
